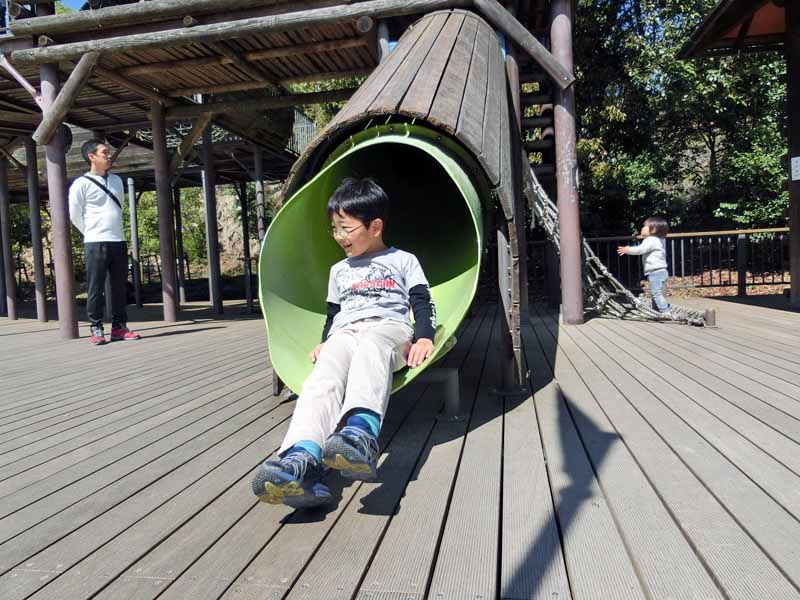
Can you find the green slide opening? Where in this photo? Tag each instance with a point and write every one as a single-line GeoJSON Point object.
{"type": "Point", "coordinates": [435, 213]}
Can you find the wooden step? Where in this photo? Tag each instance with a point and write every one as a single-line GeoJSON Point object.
{"type": "Point", "coordinates": [538, 145]}
{"type": "Point", "coordinates": [536, 99]}
{"type": "Point", "coordinates": [537, 122]}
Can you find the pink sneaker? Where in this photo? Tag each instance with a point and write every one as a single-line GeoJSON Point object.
{"type": "Point", "coordinates": [97, 337]}
{"type": "Point", "coordinates": [122, 334]}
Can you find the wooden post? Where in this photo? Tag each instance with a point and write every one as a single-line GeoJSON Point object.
{"type": "Point", "coordinates": [59, 210]}
{"type": "Point", "coordinates": [35, 216]}
{"type": "Point", "coordinates": [248, 284]}
{"type": "Point", "coordinates": [741, 265]}
{"type": "Point", "coordinates": [53, 117]}
{"type": "Point", "coordinates": [261, 215]}
{"type": "Point", "coordinates": [212, 236]}
{"type": "Point", "coordinates": [512, 73]}
{"type": "Point", "coordinates": [137, 262]}
{"type": "Point", "coordinates": [3, 304]}
{"type": "Point", "coordinates": [176, 196]}
{"type": "Point", "coordinates": [567, 169]}
{"type": "Point", "coordinates": [9, 270]}
{"type": "Point", "coordinates": [792, 49]}
{"type": "Point", "coordinates": [166, 225]}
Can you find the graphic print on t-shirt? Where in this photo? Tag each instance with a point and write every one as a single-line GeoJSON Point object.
{"type": "Point", "coordinates": [361, 286]}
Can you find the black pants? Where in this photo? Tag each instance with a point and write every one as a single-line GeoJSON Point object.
{"type": "Point", "coordinates": [106, 258]}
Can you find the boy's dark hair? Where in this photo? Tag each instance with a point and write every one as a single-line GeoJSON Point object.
{"type": "Point", "coordinates": [658, 226]}
{"type": "Point", "coordinates": [362, 199]}
{"type": "Point", "coordinates": [90, 147]}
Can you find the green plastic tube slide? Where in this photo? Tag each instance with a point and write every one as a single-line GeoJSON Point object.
{"type": "Point", "coordinates": [435, 212]}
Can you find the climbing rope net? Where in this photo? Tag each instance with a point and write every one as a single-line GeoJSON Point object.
{"type": "Point", "coordinates": [603, 293]}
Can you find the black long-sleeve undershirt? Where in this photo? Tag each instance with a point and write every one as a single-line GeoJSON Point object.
{"type": "Point", "coordinates": [421, 304]}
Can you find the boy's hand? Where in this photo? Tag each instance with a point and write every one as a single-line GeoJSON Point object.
{"type": "Point", "coordinates": [622, 250]}
{"type": "Point", "coordinates": [314, 354]}
{"type": "Point", "coordinates": [421, 350]}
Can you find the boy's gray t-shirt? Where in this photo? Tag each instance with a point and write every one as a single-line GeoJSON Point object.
{"type": "Point", "coordinates": [374, 285]}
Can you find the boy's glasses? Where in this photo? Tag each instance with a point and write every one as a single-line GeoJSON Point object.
{"type": "Point", "coordinates": [341, 232]}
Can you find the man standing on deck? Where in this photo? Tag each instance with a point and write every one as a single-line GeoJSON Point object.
{"type": "Point", "coordinates": [95, 208]}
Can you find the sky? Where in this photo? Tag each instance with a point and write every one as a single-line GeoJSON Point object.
{"type": "Point", "coordinates": [74, 4]}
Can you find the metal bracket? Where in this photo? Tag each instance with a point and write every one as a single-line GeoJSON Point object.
{"type": "Point", "coordinates": [37, 97]}
{"type": "Point", "coordinates": [451, 412]}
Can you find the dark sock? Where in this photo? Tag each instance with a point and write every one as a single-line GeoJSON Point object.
{"type": "Point", "coordinates": [365, 420]}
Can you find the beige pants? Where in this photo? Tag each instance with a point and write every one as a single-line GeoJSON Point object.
{"type": "Point", "coordinates": [354, 370]}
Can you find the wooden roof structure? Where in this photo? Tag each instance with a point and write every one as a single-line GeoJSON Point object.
{"type": "Point", "coordinates": [738, 25]}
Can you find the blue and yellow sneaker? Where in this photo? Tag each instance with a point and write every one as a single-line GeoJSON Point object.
{"type": "Point", "coordinates": [352, 451]}
{"type": "Point", "coordinates": [293, 480]}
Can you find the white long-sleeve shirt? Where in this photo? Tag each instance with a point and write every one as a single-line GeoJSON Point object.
{"type": "Point", "coordinates": [94, 212]}
{"type": "Point", "coordinates": [653, 251]}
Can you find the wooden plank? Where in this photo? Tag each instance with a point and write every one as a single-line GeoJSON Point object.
{"type": "Point", "coordinates": [48, 447]}
{"type": "Point", "coordinates": [495, 117]}
{"type": "Point", "coordinates": [105, 467]}
{"type": "Point", "coordinates": [771, 408]}
{"type": "Point", "coordinates": [772, 528]}
{"type": "Point", "coordinates": [767, 363]}
{"type": "Point", "coordinates": [595, 552]}
{"type": "Point", "coordinates": [382, 74]}
{"type": "Point", "coordinates": [532, 562]}
{"type": "Point", "coordinates": [772, 431]}
{"type": "Point", "coordinates": [665, 561]}
{"type": "Point", "coordinates": [392, 94]}
{"type": "Point", "coordinates": [739, 565]}
{"type": "Point", "coordinates": [216, 571]}
{"type": "Point", "coordinates": [82, 562]}
{"type": "Point", "coordinates": [417, 524]}
{"type": "Point", "coordinates": [773, 477]}
{"type": "Point", "coordinates": [423, 89]}
{"type": "Point", "coordinates": [341, 558]}
{"type": "Point", "coordinates": [470, 118]}
{"type": "Point", "coordinates": [720, 362]}
{"type": "Point", "coordinates": [448, 101]}
{"type": "Point", "coordinates": [75, 395]}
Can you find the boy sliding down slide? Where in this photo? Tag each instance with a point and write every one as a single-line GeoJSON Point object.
{"type": "Point", "coordinates": [367, 336]}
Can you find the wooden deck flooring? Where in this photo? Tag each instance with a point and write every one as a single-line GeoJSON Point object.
{"type": "Point", "coordinates": [654, 461]}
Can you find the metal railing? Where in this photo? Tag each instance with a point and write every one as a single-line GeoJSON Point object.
{"type": "Point", "coordinates": [700, 259]}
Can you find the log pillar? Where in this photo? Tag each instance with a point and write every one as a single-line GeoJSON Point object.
{"type": "Point", "coordinates": [166, 224]}
{"type": "Point", "coordinates": [55, 154]}
{"type": "Point", "coordinates": [212, 235]}
{"type": "Point", "coordinates": [3, 305]}
{"type": "Point", "coordinates": [176, 196]}
{"type": "Point", "coordinates": [248, 284]}
{"type": "Point", "coordinates": [135, 258]}
{"type": "Point", "coordinates": [34, 209]}
{"type": "Point", "coordinates": [567, 168]}
{"type": "Point", "coordinates": [792, 49]}
{"type": "Point", "coordinates": [261, 214]}
{"type": "Point", "coordinates": [9, 270]}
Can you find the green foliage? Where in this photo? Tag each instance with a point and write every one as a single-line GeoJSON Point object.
{"type": "Point", "coordinates": [321, 114]}
{"type": "Point", "coordinates": [701, 142]}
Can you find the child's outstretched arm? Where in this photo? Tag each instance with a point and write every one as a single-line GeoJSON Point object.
{"type": "Point", "coordinates": [648, 245]}
{"type": "Point", "coordinates": [425, 324]}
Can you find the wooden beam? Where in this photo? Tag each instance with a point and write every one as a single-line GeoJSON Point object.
{"type": "Point", "coordinates": [188, 142]}
{"type": "Point", "coordinates": [250, 70]}
{"type": "Point", "coordinates": [35, 220]}
{"type": "Point", "coordinates": [134, 86]}
{"type": "Point", "coordinates": [246, 86]}
{"type": "Point", "coordinates": [266, 103]}
{"type": "Point", "coordinates": [492, 10]}
{"type": "Point", "coordinates": [54, 116]}
{"type": "Point", "coordinates": [18, 165]}
{"type": "Point", "coordinates": [251, 56]}
{"type": "Point", "coordinates": [123, 145]}
{"type": "Point", "coordinates": [128, 14]}
{"type": "Point", "coordinates": [233, 29]}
